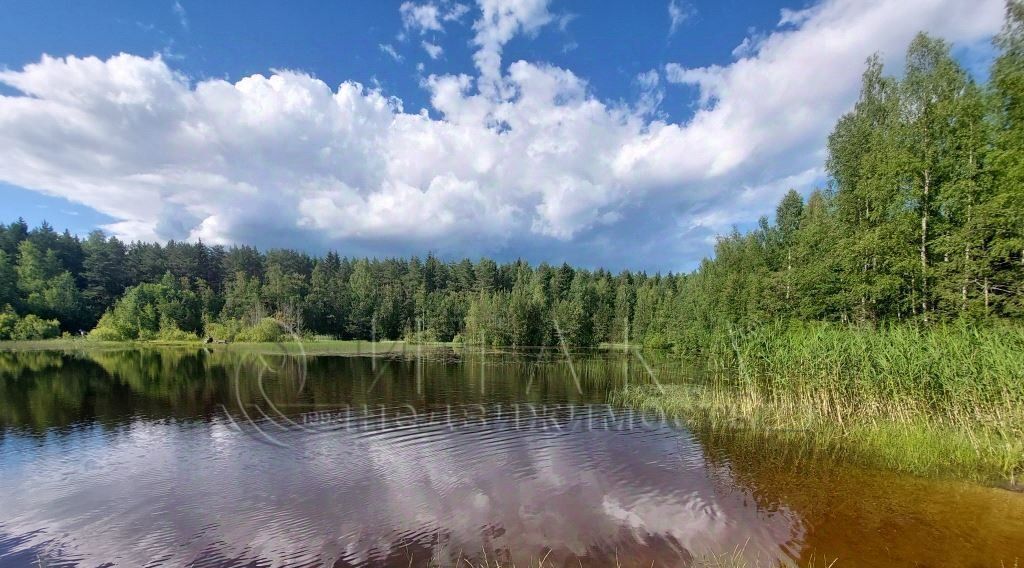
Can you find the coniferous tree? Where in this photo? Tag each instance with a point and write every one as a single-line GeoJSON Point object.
{"type": "Point", "coordinates": [104, 272]}
{"type": "Point", "coordinates": [922, 220]}
{"type": "Point", "coordinates": [8, 281]}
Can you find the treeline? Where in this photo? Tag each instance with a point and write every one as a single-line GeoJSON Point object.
{"type": "Point", "coordinates": [144, 290]}
{"type": "Point", "coordinates": [922, 222]}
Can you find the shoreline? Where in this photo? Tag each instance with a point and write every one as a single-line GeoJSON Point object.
{"type": "Point", "coordinates": [810, 402]}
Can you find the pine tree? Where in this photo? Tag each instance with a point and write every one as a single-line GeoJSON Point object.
{"type": "Point", "coordinates": [8, 281]}
{"type": "Point", "coordinates": [104, 271]}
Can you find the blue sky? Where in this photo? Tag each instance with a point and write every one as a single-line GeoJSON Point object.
{"type": "Point", "coordinates": [609, 43]}
{"type": "Point", "coordinates": [621, 134]}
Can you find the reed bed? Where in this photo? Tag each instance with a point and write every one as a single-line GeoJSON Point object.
{"type": "Point", "coordinates": [940, 401]}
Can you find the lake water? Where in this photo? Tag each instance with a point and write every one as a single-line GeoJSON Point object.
{"type": "Point", "coordinates": [230, 458]}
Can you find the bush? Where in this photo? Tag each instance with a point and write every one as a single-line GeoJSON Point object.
{"type": "Point", "coordinates": [151, 311]}
{"type": "Point", "coordinates": [226, 330]}
{"type": "Point", "coordinates": [108, 329]}
{"type": "Point", "coordinates": [28, 327]}
{"type": "Point", "coordinates": [175, 334]}
{"type": "Point", "coordinates": [8, 319]}
{"type": "Point", "coordinates": [266, 331]}
{"type": "Point", "coordinates": [35, 327]}
{"type": "Point", "coordinates": [424, 336]}
{"type": "Point", "coordinates": [657, 340]}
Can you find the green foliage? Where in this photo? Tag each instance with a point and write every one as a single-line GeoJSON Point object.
{"type": "Point", "coordinates": [149, 311]}
{"type": "Point", "coordinates": [242, 298]}
{"type": "Point", "coordinates": [574, 315]}
{"type": "Point", "coordinates": [104, 271]}
{"type": "Point", "coordinates": [940, 400]}
{"type": "Point", "coordinates": [8, 319]}
{"type": "Point", "coordinates": [922, 221]}
{"type": "Point", "coordinates": [484, 323]}
{"type": "Point", "coordinates": [35, 267]}
{"type": "Point", "coordinates": [226, 330]}
{"type": "Point", "coordinates": [175, 334]}
{"type": "Point", "coordinates": [8, 280]}
{"type": "Point", "coordinates": [328, 301]}
{"type": "Point", "coordinates": [998, 226]}
{"type": "Point", "coordinates": [283, 293]}
{"type": "Point", "coordinates": [34, 327]}
{"type": "Point", "coordinates": [423, 336]}
{"type": "Point", "coordinates": [265, 331]}
{"type": "Point", "coordinates": [46, 289]}
{"type": "Point", "coordinates": [108, 330]}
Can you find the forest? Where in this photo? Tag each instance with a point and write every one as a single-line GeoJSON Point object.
{"type": "Point", "coordinates": [921, 223]}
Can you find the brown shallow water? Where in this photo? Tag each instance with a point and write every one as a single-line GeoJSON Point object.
{"type": "Point", "coordinates": [184, 457]}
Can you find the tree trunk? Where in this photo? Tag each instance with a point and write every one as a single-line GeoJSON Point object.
{"type": "Point", "coordinates": [789, 272]}
{"type": "Point", "coordinates": [913, 300]}
{"type": "Point", "coordinates": [963, 289]}
{"type": "Point", "coordinates": [986, 295]}
{"type": "Point", "coordinates": [967, 260]}
{"type": "Point", "coordinates": [924, 247]}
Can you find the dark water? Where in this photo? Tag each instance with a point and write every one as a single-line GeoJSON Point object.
{"type": "Point", "coordinates": [187, 457]}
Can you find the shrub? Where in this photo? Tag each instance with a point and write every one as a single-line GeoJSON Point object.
{"type": "Point", "coordinates": [266, 331]}
{"type": "Point", "coordinates": [227, 330]}
{"type": "Point", "coordinates": [109, 329]}
{"type": "Point", "coordinates": [8, 319]}
{"type": "Point", "coordinates": [423, 336]}
{"type": "Point", "coordinates": [175, 334]}
{"type": "Point", "coordinates": [147, 310]}
{"type": "Point", "coordinates": [657, 340]}
{"type": "Point", "coordinates": [35, 327]}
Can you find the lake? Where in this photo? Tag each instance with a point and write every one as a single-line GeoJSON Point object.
{"type": "Point", "coordinates": [234, 457]}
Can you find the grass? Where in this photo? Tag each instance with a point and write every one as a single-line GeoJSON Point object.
{"type": "Point", "coordinates": [943, 401]}
{"type": "Point", "coordinates": [317, 347]}
{"type": "Point", "coordinates": [946, 401]}
{"type": "Point", "coordinates": [59, 344]}
{"type": "Point", "coordinates": [309, 346]}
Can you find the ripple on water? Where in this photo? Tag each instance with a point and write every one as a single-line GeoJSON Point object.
{"type": "Point", "coordinates": [373, 464]}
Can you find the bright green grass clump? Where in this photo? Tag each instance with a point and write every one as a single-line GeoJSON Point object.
{"type": "Point", "coordinates": [945, 401]}
{"type": "Point", "coordinates": [943, 367]}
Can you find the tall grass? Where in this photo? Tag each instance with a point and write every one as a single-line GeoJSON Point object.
{"type": "Point", "coordinates": [952, 367]}
{"type": "Point", "coordinates": [946, 400]}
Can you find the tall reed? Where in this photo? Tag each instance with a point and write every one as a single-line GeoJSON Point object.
{"type": "Point", "coordinates": [944, 400]}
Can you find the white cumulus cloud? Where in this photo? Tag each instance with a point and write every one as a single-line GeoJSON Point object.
{"type": "Point", "coordinates": [522, 157]}
{"type": "Point", "coordinates": [500, 21]}
{"type": "Point", "coordinates": [420, 17]}
{"type": "Point", "coordinates": [432, 49]}
{"type": "Point", "coordinates": [430, 17]}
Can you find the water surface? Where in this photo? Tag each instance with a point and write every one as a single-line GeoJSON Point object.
{"type": "Point", "coordinates": [230, 458]}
